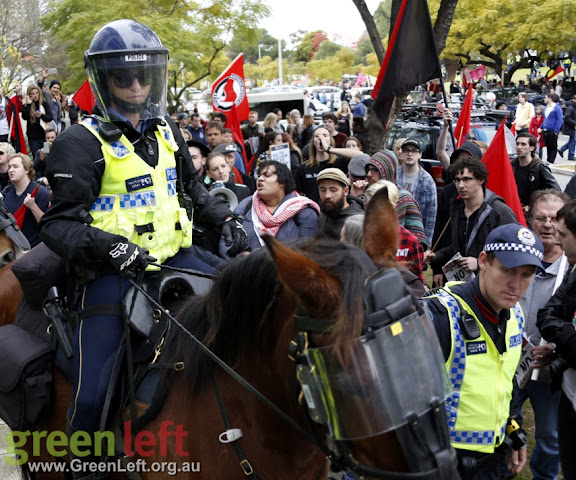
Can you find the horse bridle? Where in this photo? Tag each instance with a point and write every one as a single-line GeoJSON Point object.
{"type": "Point", "coordinates": [343, 459]}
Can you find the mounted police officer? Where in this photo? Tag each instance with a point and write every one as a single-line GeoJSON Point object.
{"type": "Point", "coordinates": [123, 190]}
{"type": "Point", "coordinates": [480, 326]}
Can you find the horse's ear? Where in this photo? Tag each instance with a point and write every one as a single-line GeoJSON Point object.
{"type": "Point", "coordinates": [381, 230]}
{"type": "Point", "coordinates": [316, 288]}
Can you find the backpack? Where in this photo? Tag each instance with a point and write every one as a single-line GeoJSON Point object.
{"type": "Point", "coordinates": [25, 378]}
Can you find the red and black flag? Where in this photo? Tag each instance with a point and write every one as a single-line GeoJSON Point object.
{"type": "Point", "coordinates": [552, 72]}
{"type": "Point", "coordinates": [411, 58]}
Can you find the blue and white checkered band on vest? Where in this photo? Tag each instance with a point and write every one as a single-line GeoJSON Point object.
{"type": "Point", "coordinates": [120, 150]}
{"type": "Point", "coordinates": [513, 247]}
{"type": "Point", "coordinates": [456, 373]}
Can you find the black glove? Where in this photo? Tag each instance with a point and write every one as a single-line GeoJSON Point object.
{"type": "Point", "coordinates": [128, 258]}
{"type": "Point", "coordinates": [234, 236]}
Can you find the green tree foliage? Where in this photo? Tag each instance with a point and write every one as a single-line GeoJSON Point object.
{"type": "Point", "coordinates": [247, 42]}
{"type": "Point", "coordinates": [491, 31]}
{"type": "Point", "coordinates": [382, 17]}
{"type": "Point", "coordinates": [308, 46]}
{"type": "Point", "coordinates": [363, 49]}
{"type": "Point", "coordinates": [195, 32]}
{"type": "Point", "coordinates": [332, 68]}
{"type": "Point", "coordinates": [327, 49]}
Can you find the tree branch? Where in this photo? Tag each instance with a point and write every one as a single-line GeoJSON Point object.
{"type": "Point", "coordinates": [373, 33]}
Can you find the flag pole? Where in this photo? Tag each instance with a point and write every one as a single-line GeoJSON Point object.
{"type": "Point", "coordinates": [443, 89]}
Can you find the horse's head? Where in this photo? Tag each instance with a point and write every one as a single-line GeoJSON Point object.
{"type": "Point", "coordinates": [359, 347]}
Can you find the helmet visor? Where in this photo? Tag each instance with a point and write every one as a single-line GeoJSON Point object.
{"type": "Point", "coordinates": [379, 379]}
{"type": "Point", "coordinates": [129, 83]}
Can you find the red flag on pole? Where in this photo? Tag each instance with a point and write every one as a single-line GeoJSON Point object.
{"type": "Point", "coordinates": [21, 212]}
{"type": "Point", "coordinates": [500, 175]}
{"type": "Point", "coordinates": [411, 58]}
{"type": "Point", "coordinates": [463, 125]}
{"type": "Point", "coordinates": [466, 77]}
{"type": "Point", "coordinates": [13, 110]}
{"type": "Point", "coordinates": [84, 98]}
{"type": "Point", "coordinates": [229, 90]}
{"type": "Point", "coordinates": [233, 124]}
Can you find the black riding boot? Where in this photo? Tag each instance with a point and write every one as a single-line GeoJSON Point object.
{"type": "Point", "coordinates": [84, 474]}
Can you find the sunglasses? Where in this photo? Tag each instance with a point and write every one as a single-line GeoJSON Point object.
{"type": "Point", "coordinates": [126, 79]}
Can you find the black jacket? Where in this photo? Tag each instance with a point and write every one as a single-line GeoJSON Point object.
{"type": "Point", "coordinates": [539, 178]}
{"type": "Point", "coordinates": [75, 166]}
{"type": "Point", "coordinates": [331, 224]}
{"type": "Point", "coordinates": [569, 119]}
{"type": "Point", "coordinates": [555, 319]}
{"type": "Point", "coordinates": [34, 129]}
{"type": "Point", "coordinates": [491, 214]}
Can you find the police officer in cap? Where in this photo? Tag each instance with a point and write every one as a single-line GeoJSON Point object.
{"type": "Point", "coordinates": [480, 326]}
{"type": "Point", "coordinates": [123, 189]}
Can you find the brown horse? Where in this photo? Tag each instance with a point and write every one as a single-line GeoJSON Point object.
{"type": "Point", "coordinates": [247, 321]}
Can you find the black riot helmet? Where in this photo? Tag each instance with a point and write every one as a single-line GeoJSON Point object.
{"type": "Point", "coordinates": [121, 53]}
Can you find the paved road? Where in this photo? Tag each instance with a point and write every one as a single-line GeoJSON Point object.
{"type": "Point", "coordinates": [7, 472]}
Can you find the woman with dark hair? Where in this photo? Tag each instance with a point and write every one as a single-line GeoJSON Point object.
{"type": "Point", "coordinates": [38, 113]}
{"type": "Point", "coordinates": [263, 154]}
{"type": "Point", "coordinates": [275, 208]}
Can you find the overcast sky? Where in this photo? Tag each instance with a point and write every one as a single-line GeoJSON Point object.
{"type": "Point", "coordinates": [338, 18]}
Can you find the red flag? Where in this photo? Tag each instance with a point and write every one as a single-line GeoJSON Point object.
{"type": "Point", "coordinates": [463, 125]}
{"type": "Point", "coordinates": [84, 98]}
{"type": "Point", "coordinates": [233, 124]}
{"type": "Point", "coordinates": [21, 212]}
{"type": "Point", "coordinates": [478, 73]}
{"type": "Point", "coordinates": [500, 175]}
{"type": "Point", "coordinates": [466, 77]}
{"type": "Point", "coordinates": [411, 58]}
{"type": "Point", "coordinates": [552, 73]}
{"type": "Point", "coordinates": [229, 90]}
{"type": "Point", "coordinates": [13, 110]}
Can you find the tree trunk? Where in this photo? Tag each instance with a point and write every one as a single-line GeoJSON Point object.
{"type": "Point", "coordinates": [376, 134]}
{"type": "Point", "coordinates": [373, 32]}
{"type": "Point", "coordinates": [444, 22]}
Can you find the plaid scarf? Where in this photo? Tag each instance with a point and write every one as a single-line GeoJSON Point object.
{"type": "Point", "coordinates": [270, 223]}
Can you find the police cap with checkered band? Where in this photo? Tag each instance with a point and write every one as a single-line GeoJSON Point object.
{"type": "Point", "coordinates": [515, 245]}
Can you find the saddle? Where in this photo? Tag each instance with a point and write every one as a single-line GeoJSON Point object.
{"type": "Point", "coordinates": [38, 272]}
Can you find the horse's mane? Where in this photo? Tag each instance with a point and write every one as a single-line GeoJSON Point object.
{"type": "Point", "coordinates": [243, 300]}
{"type": "Point", "coordinates": [227, 318]}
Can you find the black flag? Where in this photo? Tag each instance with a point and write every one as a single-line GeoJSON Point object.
{"type": "Point", "coordinates": [411, 58]}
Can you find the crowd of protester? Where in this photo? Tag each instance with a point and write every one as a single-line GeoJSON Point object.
{"type": "Point", "coordinates": [321, 185]}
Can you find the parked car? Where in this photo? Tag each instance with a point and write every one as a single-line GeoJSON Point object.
{"type": "Point", "coordinates": [510, 96]}
{"type": "Point", "coordinates": [325, 93]}
{"type": "Point", "coordinates": [419, 122]}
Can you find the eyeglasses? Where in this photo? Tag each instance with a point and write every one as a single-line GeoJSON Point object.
{"type": "Point", "coordinates": [463, 179]}
{"type": "Point", "coordinates": [410, 151]}
{"type": "Point", "coordinates": [370, 168]}
{"type": "Point", "coordinates": [543, 220]}
{"type": "Point", "coordinates": [125, 79]}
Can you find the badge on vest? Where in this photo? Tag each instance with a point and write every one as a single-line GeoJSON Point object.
{"type": "Point", "coordinates": [138, 183]}
{"type": "Point", "coordinates": [516, 340]}
{"type": "Point", "coordinates": [474, 348]}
